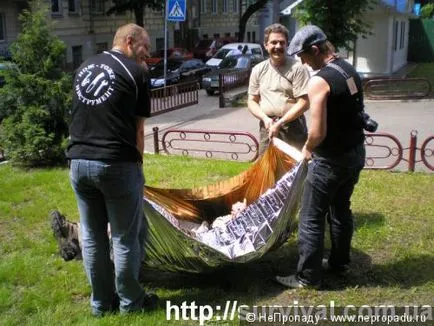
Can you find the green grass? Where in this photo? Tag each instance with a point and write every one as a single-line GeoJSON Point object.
{"type": "Point", "coordinates": [393, 255]}
{"type": "Point", "coordinates": [425, 70]}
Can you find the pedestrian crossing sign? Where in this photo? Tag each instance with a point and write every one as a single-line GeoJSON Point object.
{"type": "Point", "coordinates": [176, 10]}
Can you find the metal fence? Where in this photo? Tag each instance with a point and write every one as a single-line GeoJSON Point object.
{"type": "Point", "coordinates": [397, 88]}
{"type": "Point", "coordinates": [228, 145]}
{"type": "Point", "coordinates": [232, 80]}
{"type": "Point", "coordinates": [174, 97]}
{"type": "Point", "coordinates": [383, 151]}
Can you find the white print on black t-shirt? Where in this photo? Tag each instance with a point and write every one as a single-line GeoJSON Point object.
{"type": "Point", "coordinates": [94, 84]}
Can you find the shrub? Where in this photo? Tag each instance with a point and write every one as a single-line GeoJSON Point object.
{"type": "Point", "coordinates": [37, 95]}
{"type": "Point", "coordinates": [427, 11]}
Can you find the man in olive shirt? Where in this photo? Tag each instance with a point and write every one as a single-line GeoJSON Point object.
{"type": "Point", "coordinates": [278, 92]}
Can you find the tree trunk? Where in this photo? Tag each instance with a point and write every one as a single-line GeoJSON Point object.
{"type": "Point", "coordinates": [138, 14]}
{"type": "Point", "coordinates": [245, 17]}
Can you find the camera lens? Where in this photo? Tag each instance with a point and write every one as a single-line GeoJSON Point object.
{"type": "Point", "coordinates": [371, 125]}
{"type": "Point", "coordinates": [367, 123]}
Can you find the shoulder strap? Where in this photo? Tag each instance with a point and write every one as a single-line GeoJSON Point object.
{"type": "Point", "coordinates": [346, 77]}
{"type": "Point", "coordinates": [338, 69]}
{"type": "Point", "coordinates": [126, 69]}
{"type": "Point", "coordinates": [279, 72]}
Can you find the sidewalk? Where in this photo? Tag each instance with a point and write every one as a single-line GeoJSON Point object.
{"type": "Point", "coordinates": [205, 115]}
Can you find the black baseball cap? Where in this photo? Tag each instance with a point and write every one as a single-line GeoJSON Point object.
{"type": "Point", "coordinates": [306, 37]}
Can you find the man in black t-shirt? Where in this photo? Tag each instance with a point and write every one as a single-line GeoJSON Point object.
{"type": "Point", "coordinates": [336, 146]}
{"type": "Point", "coordinates": [110, 102]}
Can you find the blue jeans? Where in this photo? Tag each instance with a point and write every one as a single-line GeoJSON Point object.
{"type": "Point", "coordinates": [111, 192]}
{"type": "Point", "coordinates": [327, 192]}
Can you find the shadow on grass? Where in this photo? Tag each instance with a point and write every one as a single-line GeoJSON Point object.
{"type": "Point", "coordinates": [405, 273]}
{"type": "Point", "coordinates": [253, 282]}
{"type": "Point", "coordinates": [371, 220]}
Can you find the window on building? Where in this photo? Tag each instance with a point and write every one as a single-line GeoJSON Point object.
{"type": "Point", "coordinates": [97, 6]}
{"type": "Point", "coordinates": [402, 38]}
{"type": "Point", "coordinates": [225, 5]}
{"type": "Point", "coordinates": [73, 6]}
{"type": "Point", "coordinates": [235, 5]}
{"type": "Point", "coordinates": [158, 12]}
{"type": "Point", "coordinates": [2, 27]}
{"type": "Point", "coordinates": [395, 36]}
{"type": "Point", "coordinates": [101, 47]}
{"type": "Point", "coordinates": [203, 6]}
{"type": "Point", "coordinates": [55, 6]}
{"type": "Point", "coordinates": [214, 8]}
{"type": "Point", "coordinates": [77, 56]}
{"type": "Point", "coordinates": [159, 43]}
{"type": "Point", "coordinates": [248, 37]}
{"type": "Point", "coordinates": [253, 37]}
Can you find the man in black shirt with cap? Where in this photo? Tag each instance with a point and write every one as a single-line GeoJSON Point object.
{"type": "Point", "coordinates": [336, 146]}
{"type": "Point", "coordinates": [110, 102]}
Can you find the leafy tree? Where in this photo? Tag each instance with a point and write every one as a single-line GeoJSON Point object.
{"type": "Point", "coordinates": [136, 6]}
{"type": "Point", "coordinates": [251, 9]}
{"type": "Point", "coordinates": [427, 11]}
{"type": "Point", "coordinates": [342, 20]}
{"type": "Point", "coordinates": [37, 95]}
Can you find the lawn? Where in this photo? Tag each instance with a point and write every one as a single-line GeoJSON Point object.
{"type": "Point", "coordinates": [425, 70]}
{"type": "Point", "coordinates": [393, 255]}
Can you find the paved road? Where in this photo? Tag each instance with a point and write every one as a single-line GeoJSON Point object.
{"type": "Point", "coordinates": [398, 118]}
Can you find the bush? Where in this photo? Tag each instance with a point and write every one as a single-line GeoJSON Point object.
{"type": "Point", "coordinates": [427, 11]}
{"type": "Point", "coordinates": [37, 95]}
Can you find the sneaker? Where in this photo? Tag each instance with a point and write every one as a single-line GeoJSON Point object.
{"type": "Point", "coordinates": [341, 270]}
{"type": "Point", "coordinates": [290, 281]}
{"type": "Point", "coordinates": [150, 301]}
{"type": "Point", "coordinates": [66, 234]}
{"type": "Point", "coordinates": [293, 282]}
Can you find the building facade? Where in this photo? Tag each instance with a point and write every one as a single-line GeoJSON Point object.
{"type": "Point", "coordinates": [86, 29]}
{"type": "Point", "coordinates": [385, 51]}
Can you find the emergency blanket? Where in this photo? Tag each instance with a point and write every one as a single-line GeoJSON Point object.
{"type": "Point", "coordinates": [271, 187]}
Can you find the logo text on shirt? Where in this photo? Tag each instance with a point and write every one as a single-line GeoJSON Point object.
{"type": "Point", "coordinates": [94, 84]}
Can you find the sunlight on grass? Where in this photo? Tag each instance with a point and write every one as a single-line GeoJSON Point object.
{"type": "Point", "coordinates": [393, 258]}
{"type": "Point", "coordinates": [424, 70]}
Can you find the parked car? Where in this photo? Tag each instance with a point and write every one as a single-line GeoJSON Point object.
{"type": "Point", "coordinates": [177, 71]}
{"type": "Point", "coordinates": [206, 48]}
{"type": "Point", "coordinates": [172, 53]}
{"type": "Point", "coordinates": [210, 81]}
{"type": "Point", "coordinates": [233, 49]}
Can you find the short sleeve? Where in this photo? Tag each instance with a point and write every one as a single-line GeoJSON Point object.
{"type": "Point", "coordinates": [300, 80]}
{"type": "Point", "coordinates": [143, 108]}
{"type": "Point", "coordinates": [254, 81]}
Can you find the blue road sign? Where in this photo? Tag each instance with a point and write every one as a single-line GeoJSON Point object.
{"type": "Point", "coordinates": [176, 10]}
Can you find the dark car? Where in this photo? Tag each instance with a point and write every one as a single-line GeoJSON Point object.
{"type": "Point", "coordinates": [172, 53]}
{"type": "Point", "coordinates": [210, 81]}
{"type": "Point", "coordinates": [177, 71]}
{"type": "Point", "coordinates": [206, 48]}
